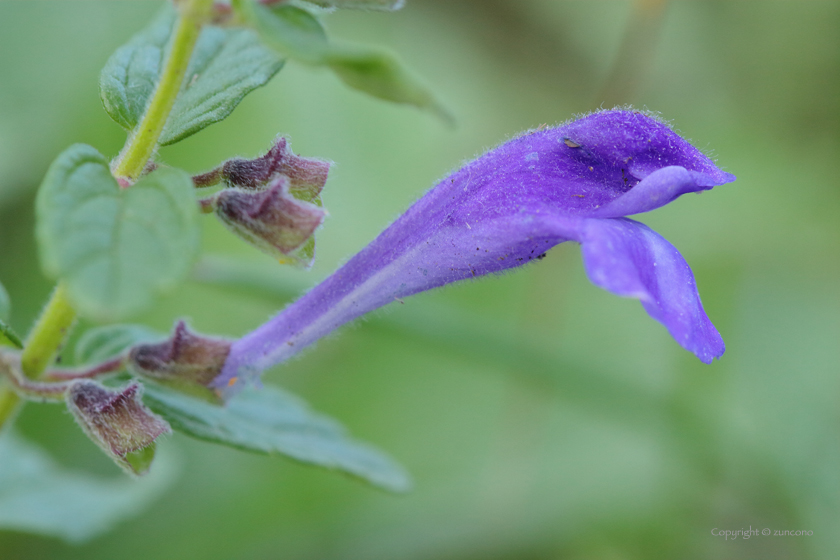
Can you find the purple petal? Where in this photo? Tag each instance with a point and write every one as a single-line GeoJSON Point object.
{"type": "Point", "coordinates": [506, 209]}
{"type": "Point", "coordinates": [631, 260]}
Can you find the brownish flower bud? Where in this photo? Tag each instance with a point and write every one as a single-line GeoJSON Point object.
{"type": "Point", "coordinates": [118, 422]}
{"type": "Point", "coordinates": [185, 361]}
{"type": "Point", "coordinates": [307, 176]}
{"type": "Point", "coordinates": [272, 220]}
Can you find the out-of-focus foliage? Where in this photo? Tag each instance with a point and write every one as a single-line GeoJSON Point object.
{"type": "Point", "coordinates": [40, 497]}
{"type": "Point", "coordinates": [539, 416]}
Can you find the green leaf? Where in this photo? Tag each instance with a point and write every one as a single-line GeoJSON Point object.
{"type": "Point", "coordinates": [381, 74]}
{"type": "Point", "coordinates": [39, 496]}
{"type": "Point", "coordinates": [101, 343]}
{"type": "Point", "coordinates": [5, 304]}
{"type": "Point", "coordinates": [291, 31]}
{"type": "Point", "coordinates": [297, 34]}
{"type": "Point", "coordinates": [140, 461]}
{"type": "Point", "coordinates": [116, 248]}
{"type": "Point", "coordinates": [388, 5]}
{"type": "Point", "coordinates": [8, 337]}
{"type": "Point", "coordinates": [129, 77]}
{"type": "Point", "coordinates": [226, 65]}
{"type": "Point", "coordinates": [272, 421]}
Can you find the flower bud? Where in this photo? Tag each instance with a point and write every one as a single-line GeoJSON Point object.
{"type": "Point", "coordinates": [272, 220]}
{"type": "Point", "coordinates": [118, 422]}
{"type": "Point", "coordinates": [185, 361]}
{"type": "Point", "coordinates": [307, 176]}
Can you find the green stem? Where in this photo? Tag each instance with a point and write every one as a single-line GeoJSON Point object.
{"type": "Point", "coordinates": [9, 401]}
{"type": "Point", "coordinates": [41, 347]}
{"type": "Point", "coordinates": [144, 140]}
{"type": "Point", "coordinates": [48, 334]}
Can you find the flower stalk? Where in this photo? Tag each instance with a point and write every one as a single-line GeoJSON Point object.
{"type": "Point", "coordinates": [48, 334]}
{"type": "Point", "coordinates": [32, 390]}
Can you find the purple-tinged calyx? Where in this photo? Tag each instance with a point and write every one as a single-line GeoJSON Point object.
{"type": "Point", "coordinates": [307, 176]}
{"type": "Point", "coordinates": [272, 220]}
{"type": "Point", "coordinates": [186, 361]}
{"type": "Point", "coordinates": [576, 182]}
{"type": "Point", "coordinates": [117, 421]}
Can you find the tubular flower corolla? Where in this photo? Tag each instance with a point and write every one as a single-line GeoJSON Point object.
{"type": "Point", "coordinates": [576, 182]}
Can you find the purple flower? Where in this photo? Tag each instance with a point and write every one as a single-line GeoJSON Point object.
{"type": "Point", "coordinates": [505, 209]}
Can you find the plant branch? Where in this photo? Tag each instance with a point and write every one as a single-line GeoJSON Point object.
{"type": "Point", "coordinates": [111, 366]}
{"type": "Point", "coordinates": [26, 387]}
{"type": "Point", "coordinates": [54, 324]}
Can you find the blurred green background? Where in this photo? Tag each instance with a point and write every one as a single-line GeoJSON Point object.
{"type": "Point", "coordinates": [541, 417]}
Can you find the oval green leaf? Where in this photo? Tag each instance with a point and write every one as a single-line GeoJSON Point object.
{"type": "Point", "coordinates": [297, 34]}
{"type": "Point", "coordinates": [272, 421]}
{"type": "Point", "coordinates": [381, 74]}
{"type": "Point", "coordinates": [129, 77]}
{"type": "Point", "coordinates": [116, 248]}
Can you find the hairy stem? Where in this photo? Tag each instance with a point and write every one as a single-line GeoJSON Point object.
{"type": "Point", "coordinates": [141, 145]}
{"type": "Point", "coordinates": [48, 334]}
{"type": "Point", "coordinates": [42, 345]}
{"type": "Point", "coordinates": [31, 389]}
{"type": "Point", "coordinates": [111, 366]}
